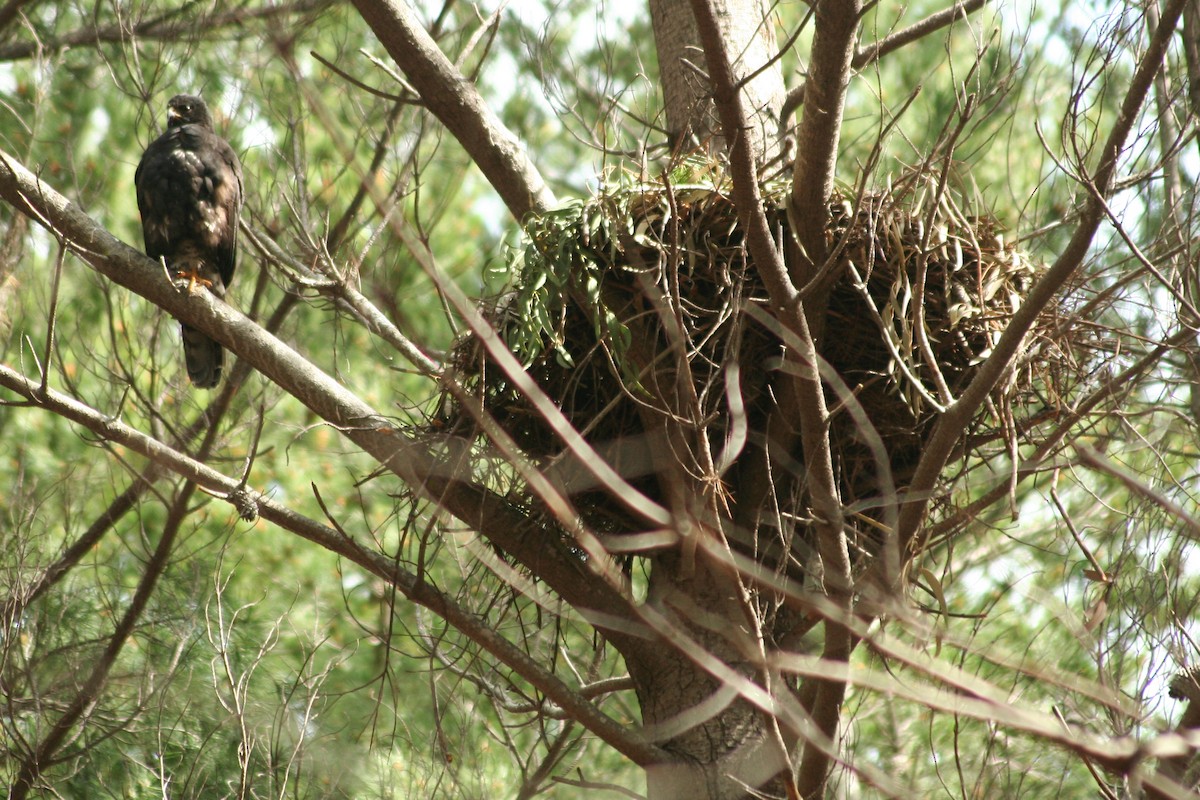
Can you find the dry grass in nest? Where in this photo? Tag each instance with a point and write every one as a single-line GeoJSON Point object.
{"type": "Point", "coordinates": [604, 286]}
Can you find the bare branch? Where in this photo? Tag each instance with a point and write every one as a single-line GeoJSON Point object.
{"type": "Point", "coordinates": [819, 133]}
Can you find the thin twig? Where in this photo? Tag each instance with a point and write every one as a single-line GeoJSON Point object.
{"type": "Point", "coordinates": [579, 708]}
{"type": "Point", "coordinates": [949, 428]}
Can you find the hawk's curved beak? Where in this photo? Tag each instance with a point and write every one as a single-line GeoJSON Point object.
{"type": "Point", "coordinates": [172, 114]}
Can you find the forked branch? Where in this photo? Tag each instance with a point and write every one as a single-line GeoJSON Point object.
{"type": "Point", "coordinates": [814, 430]}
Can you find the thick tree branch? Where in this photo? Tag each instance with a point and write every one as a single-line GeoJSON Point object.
{"type": "Point", "coordinates": [455, 101]}
{"type": "Point", "coordinates": [1191, 53]}
{"type": "Point", "coordinates": [413, 461]}
{"type": "Point", "coordinates": [948, 430]}
{"type": "Point", "coordinates": [890, 43]}
{"type": "Point", "coordinates": [836, 25]}
{"type": "Point", "coordinates": [251, 503]}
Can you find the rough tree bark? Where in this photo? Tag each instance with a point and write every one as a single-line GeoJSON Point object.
{"type": "Point", "coordinates": [691, 116]}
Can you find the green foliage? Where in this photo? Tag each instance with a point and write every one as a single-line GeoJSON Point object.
{"type": "Point", "coordinates": [558, 266]}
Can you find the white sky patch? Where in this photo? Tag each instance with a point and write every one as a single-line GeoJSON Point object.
{"type": "Point", "coordinates": [256, 133]}
{"type": "Point", "coordinates": [96, 130]}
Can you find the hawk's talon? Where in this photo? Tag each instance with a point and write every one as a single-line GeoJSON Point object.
{"type": "Point", "coordinates": [193, 277]}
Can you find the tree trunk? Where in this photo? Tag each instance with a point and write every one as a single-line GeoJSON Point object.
{"type": "Point", "coordinates": [691, 118]}
{"type": "Point", "coordinates": [723, 745]}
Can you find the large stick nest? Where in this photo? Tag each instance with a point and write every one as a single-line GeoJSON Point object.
{"type": "Point", "coordinates": [611, 294]}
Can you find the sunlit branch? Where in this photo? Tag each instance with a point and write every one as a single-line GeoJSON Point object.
{"type": "Point", "coordinates": [457, 103]}
{"type": "Point", "coordinates": [833, 29]}
{"type": "Point", "coordinates": [1035, 462]}
{"type": "Point", "coordinates": [918, 30]}
{"type": "Point", "coordinates": [966, 695]}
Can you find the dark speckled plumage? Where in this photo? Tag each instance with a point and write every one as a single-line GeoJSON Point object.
{"type": "Point", "coordinates": [189, 192]}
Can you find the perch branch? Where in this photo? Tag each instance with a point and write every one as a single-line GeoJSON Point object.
{"type": "Point", "coordinates": [456, 102]}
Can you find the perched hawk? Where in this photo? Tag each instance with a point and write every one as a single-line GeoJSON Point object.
{"type": "Point", "coordinates": [189, 192]}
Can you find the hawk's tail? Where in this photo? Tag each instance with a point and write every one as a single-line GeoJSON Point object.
{"type": "Point", "coordinates": [203, 358]}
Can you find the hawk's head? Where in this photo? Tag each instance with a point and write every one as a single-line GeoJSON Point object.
{"type": "Point", "coordinates": [186, 109]}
